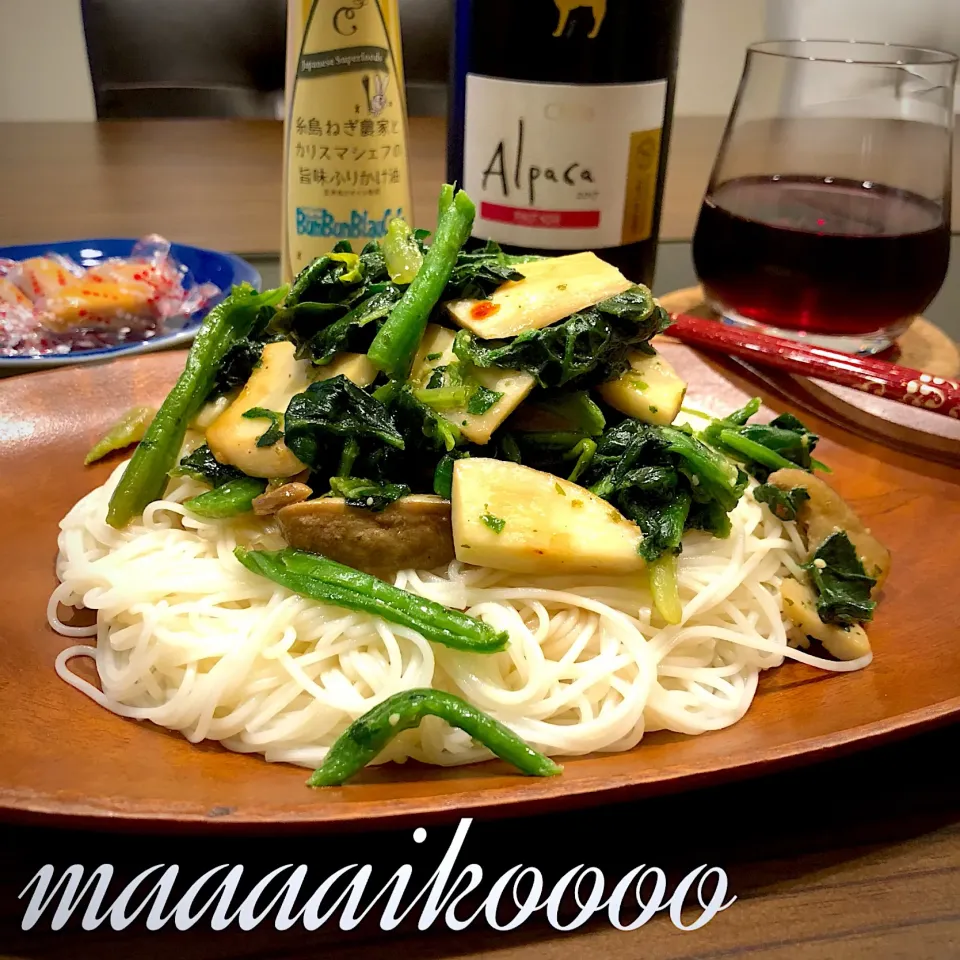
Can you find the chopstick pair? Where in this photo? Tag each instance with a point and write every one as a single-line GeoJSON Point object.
{"type": "Point", "coordinates": [878, 377]}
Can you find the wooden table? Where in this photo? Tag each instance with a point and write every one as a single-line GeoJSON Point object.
{"type": "Point", "coordinates": [858, 857]}
{"type": "Point", "coordinates": [855, 858]}
{"type": "Point", "coordinates": [217, 183]}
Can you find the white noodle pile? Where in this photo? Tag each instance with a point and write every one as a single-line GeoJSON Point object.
{"type": "Point", "coordinates": [189, 639]}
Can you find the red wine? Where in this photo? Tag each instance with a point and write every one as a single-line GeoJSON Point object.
{"type": "Point", "coordinates": [559, 123]}
{"type": "Point", "coordinates": [821, 254]}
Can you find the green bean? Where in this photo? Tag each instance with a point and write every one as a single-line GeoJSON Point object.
{"type": "Point", "coordinates": [396, 342]}
{"type": "Point", "coordinates": [447, 192]}
{"type": "Point", "coordinates": [232, 498]}
{"type": "Point", "coordinates": [327, 581]}
{"type": "Point", "coordinates": [366, 737]}
{"type": "Point", "coordinates": [130, 428]}
{"type": "Point", "coordinates": [145, 476]}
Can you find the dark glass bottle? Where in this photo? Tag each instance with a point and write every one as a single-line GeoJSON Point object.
{"type": "Point", "coordinates": [559, 123]}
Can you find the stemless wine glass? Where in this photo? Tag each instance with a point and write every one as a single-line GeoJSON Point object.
{"type": "Point", "coordinates": [827, 216]}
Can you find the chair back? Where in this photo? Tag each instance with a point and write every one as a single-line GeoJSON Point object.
{"type": "Point", "coordinates": [186, 58]}
{"type": "Point", "coordinates": [426, 27]}
{"type": "Point", "coordinates": [225, 58]}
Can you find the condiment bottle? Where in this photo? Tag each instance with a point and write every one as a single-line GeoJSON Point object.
{"type": "Point", "coordinates": [346, 172]}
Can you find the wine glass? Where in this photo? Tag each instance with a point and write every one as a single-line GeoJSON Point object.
{"type": "Point", "coordinates": [827, 215]}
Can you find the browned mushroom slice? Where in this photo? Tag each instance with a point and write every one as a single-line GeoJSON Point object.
{"type": "Point", "coordinates": [413, 532]}
{"type": "Point", "coordinates": [825, 513]}
{"type": "Point", "coordinates": [273, 500]}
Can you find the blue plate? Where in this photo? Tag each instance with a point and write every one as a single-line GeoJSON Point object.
{"type": "Point", "coordinates": [197, 266]}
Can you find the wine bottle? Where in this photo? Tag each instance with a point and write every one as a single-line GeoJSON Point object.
{"type": "Point", "coordinates": [559, 123]}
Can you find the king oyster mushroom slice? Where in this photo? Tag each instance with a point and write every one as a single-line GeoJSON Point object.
{"type": "Point", "coordinates": [827, 512]}
{"type": "Point", "coordinates": [414, 532]}
{"type": "Point", "coordinates": [800, 608]}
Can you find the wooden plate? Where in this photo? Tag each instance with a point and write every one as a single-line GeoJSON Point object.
{"type": "Point", "coordinates": [923, 346]}
{"type": "Point", "coordinates": [66, 758]}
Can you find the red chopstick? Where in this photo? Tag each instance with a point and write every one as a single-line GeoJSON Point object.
{"type": "Point", "coordinates": [883, 379]}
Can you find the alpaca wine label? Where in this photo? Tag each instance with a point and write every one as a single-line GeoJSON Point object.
{"type": "Point", "coordinates": [345, 138]}
{"type": "Point", "coordinates": [568, 167]}
{"type": "Point", "coordinates": [559, 122]}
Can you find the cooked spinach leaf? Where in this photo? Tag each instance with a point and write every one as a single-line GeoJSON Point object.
{"type": "Point", "coordinates": [326, 279]}
{"type": "Point", "coordinates": [427, 440]}
{"type": "Point", "coordinates": [586, 349]}
{"type": "Point", "coordinates": [237, 366]}
{"type": "Point", "coordinates": [367, 494]}
{"type": "Point", "coordinates": [443, 475]}
{"type": "Point", "coordinates": [508, 448]}
{"type": "Point", "coordinates": [478, 273]}
{"type": "Point", "coordinates": [355, 330]}
{"type": "Point", "coordinates": [335, 408]}
{"type": "Point", "coordinates": [425, 429]}
{"type": "Point", "coordinates": [302, 321]}
{"type": "Point", "coordinates": [553, 432]}
{"type": "Point", "coordinates": [374, 263]}
{"type": "Point", "coordinates": [481, 400]}
{"type": "Point", "coordinates": [436, 378]}
{"type": "Point", "coordinates": [547, 450]}
{"type": "Point", "coordinates": [784, 443]}
{"type": "Point", "coordinates": [662, 524]}
{"type": "Point", "coordinates": [709, 517]}
{"type": "Point", "coordinates": [843, 586]}
{"type": "Point", "coordinates": [711, 475]}
{"type": "Point", "coordinates": [244, 357]}
{"type": "Point", "coordinates": [579, 410]}
{"type": "Point", "coordinates": [274, 432]}
{"type": "Point", "coordinates": [202, 465]}
{"type": "Point", "coordinates": [784, 504]}
{"type": "Point", "coordinates": [336, 302]}
{"type": "Point", "coordinates": [667, 481]}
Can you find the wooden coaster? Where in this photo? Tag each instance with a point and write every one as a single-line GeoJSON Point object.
{"type": "Point", "coordinates": [924, 346]}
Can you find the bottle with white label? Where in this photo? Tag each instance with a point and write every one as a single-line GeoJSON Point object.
{"type": "Point", "coordinates": [559, 123]}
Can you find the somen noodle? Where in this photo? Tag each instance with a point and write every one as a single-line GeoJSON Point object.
{"type": "Point", "coordinates": [189, 639]}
